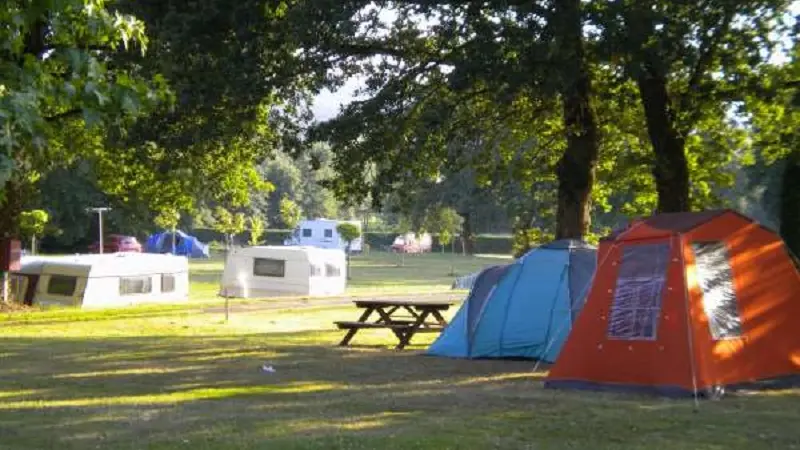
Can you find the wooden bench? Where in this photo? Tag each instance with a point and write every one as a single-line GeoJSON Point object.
{"type": "Point", "coordinates": [344, 325]}
{"type": "Point", "coordinates": [388, 311]}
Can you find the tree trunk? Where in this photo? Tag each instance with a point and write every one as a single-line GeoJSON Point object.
{"type": "Point", "coordinates": [576, 168]}
{"type": "Point", "coordinates": [467, 234]}
{"type": "Point", "coordinates": [790, 199]}
{"type": "Point", "coordinates": [11, 206]}
{"type": "Point", "coordinates": [347, 261]}
{"type": "Point", "coordinates": [671, 170]}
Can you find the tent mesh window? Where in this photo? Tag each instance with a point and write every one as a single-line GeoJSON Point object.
{"type": "Point", "coordinates": [268, 267]}
{"type": "Point", "coordinates": [167, 282]}
{"type": "Point", "coordinates": [332, 271]}
{"type": "Point", "coordinates": [719, 298]}
{"type": "Point", "coordinates": [581, 268]}
{"type": "Point", "coordinates": [637, 296]}
{"type": "Point", "coordinates": [62, 285]}
{"type": "Point", "coordinates": [135, 285]}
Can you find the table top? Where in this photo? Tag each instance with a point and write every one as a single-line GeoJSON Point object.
{"type": "Point", "coordinates": [362, 303]}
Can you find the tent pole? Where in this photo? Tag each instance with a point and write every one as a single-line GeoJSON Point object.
{"type": "Point", "coordinates": [689, 336]}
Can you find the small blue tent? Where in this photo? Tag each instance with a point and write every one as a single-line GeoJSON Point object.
{"type": "Point", "coordinates": [185, 244]}
{"type": "Point", "coordinates": [522, 310]}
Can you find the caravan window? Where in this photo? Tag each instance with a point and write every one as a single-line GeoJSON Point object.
{"type": "Point", "coordinates": [316, 271]}
{"type": "Point", "coordinates": [719, 298]}
{"type": "Point", "coordinates": [167, 283]}
{"type": "Point", "coordinates": [329, 233]}
{"type": "Point", "coordinates": [306, 232]}
{"type": "Point", "coordinates": [135, 285]}
{"type": "Point", "coordinates": [268, 267]}
{"type": "Point", "coordinates": [332, 271]}
{"type": "Point", "coordinates": [637, 297]}
{"type": "Point", "coordinates": [62, 285]}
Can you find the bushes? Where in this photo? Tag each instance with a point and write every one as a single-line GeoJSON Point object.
{"type": "Point", "coordinates": [527, 238]}
{"type": "Point", "coordinates": [487, 244]}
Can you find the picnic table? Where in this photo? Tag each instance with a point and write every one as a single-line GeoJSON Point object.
{"type": "Point", "coordinates": [404, 318]}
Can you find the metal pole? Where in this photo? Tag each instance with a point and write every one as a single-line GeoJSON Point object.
{"type": "Point", "coordinates": [99, 211]}
{"type": "Point", "coordinates": [6, 283]}
{"type": "Point", "coordinates": [100, 221]}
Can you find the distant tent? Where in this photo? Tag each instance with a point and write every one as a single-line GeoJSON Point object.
{"type": "Point", "coordinates": [185, 245]}
{"type": "Point", "coordinates": [522, 310]}
{"type": "Point", "coordinates": [686, 303]}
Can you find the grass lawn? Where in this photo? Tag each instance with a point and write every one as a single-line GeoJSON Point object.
{"type": "Point", "coordinates": [179, 378]}
{"type": "Point", "coordinates": [375, 273]}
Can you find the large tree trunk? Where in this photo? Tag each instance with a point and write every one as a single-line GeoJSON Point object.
{"type": "Point", "coordinates": [576, 168]}
{"type": "Point", "coordinates": [790, 199]}
{"type": "Point", "coordinates": [671, 170]}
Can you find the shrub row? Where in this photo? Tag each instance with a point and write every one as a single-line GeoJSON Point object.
{"type": "Point", "coordinates": [493, 244]}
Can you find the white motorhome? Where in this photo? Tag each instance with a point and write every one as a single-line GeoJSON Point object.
{"type": "Point", "coordinates": [322, 233]}
{"type": "Point", "coordinates": [102, 281]}
{"type": "Point", "coordinates": [274, 271]}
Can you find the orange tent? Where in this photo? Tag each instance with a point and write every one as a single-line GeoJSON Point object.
{"type": "Point", "coordinates": [686, 303]}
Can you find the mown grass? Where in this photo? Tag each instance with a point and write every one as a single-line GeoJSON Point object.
{"type": "Point", "coordinates": [150, 378]}
{"type": "Point", "coordinates": [376, 273]}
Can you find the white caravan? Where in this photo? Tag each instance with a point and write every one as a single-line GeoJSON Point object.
{"type": "Point", "coordinates": [322, 233]}
{"type": "Point", "coordinates": [273, 271]}
{"type": "Point", "coordinates": [102, 281]}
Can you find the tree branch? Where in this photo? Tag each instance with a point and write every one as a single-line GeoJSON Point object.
{"type": "Point", "coordinates": [707, 52]}
{"type": "Point", "coordinates": [63, 115]}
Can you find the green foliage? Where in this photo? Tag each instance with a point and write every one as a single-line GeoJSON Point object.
{"type": "Point", "coordinates": [229, 224]}
{"type": "Point", "coordinates": [445, 222]}
{"type": "Point", "coordinates": [55, 66]}
{"type": "Point", "coordinates": [257, 228]}
{"type": "Point", "coordinates": [167, 219]}
{"type": "Point", "coordinates": [348, 231]}
{"type": "Point", "coordinates": [290, 213]}
{"type": "Point", "coordinates": [33, 223]}
{"type": "Point", "coordinates": [526, 239]}
{"type": "Point", "coordinates": [62, 89]}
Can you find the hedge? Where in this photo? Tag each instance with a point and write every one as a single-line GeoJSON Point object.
{"type": "Point", "coordinates": [492, 244]}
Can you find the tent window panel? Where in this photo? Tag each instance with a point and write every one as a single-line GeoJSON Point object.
{"type": "Point", "coordinates": [268, 267]}
{"type": "Point", "coordinates": [167, 283]}
{"type": "Point", "coordinates": [316, 271]}
{"type": "Point", "coordinates": [62, 285]}
{"type": "Point", "coordinates": [636, 305]}
{"type": "Point", "coordinates": [306, 232]}
{"type": "Point", "coordinates": [716, 281]}
{"type": "Point", "coordinates": [332, 270]}
{"type": "Point", "coordinates": [135, 285]}
{"type": "Point", "coordinates": [328, 233]}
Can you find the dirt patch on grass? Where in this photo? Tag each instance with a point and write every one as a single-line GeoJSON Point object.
{"type": "Point", "coordinates": [9, 308]}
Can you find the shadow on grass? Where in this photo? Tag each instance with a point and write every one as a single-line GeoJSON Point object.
{"type": "Point", "coordinates": [212, 392]}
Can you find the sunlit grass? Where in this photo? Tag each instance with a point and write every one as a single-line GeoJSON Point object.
{"type": "Point", "coordinates": [177, 377]}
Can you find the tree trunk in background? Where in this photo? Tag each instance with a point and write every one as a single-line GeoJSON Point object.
{"type": "Point", "coordinates": [671, 170]}
{"type": "Point", "coordinates": [467, 234]}
{"type": "Point", "coordinates": [576, 168]}
{"type": "Point", "coordinates": [790, 203]}
{"type": "Point", "coordinates": [11, 206]}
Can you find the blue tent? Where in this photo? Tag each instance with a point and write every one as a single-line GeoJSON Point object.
{"type": "Point", "coordinates": [185, 244]}
{"type": "Point", "coordinates": [522, 310]}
